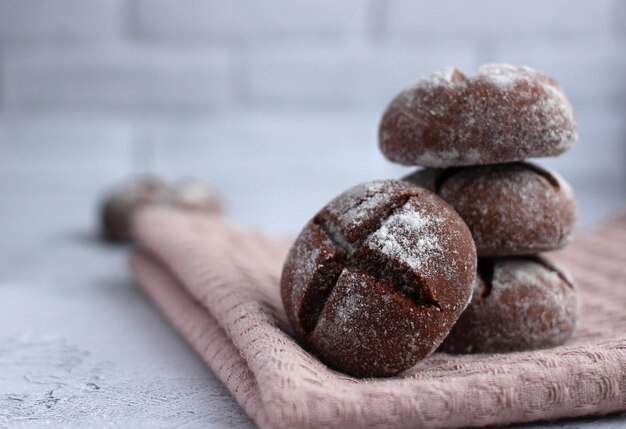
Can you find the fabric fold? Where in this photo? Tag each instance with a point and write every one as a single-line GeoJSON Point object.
{"type": "Point", "coordinates": [219, 285]}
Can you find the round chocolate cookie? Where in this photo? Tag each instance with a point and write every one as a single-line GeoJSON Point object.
{"type": "Point", "coordinates": [375, 281]}
{"type": "Point", "coordinates": [120, 203]}
{"type": "Point", "coordinates": [504, 113]}
{"type": "Point", "coordinates": [521, 303]}
{"type": "Point", "coordinates": [511, 209]}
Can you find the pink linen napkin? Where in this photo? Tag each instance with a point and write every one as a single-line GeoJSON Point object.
{"type": "Point", "coordinates": [219, 285]}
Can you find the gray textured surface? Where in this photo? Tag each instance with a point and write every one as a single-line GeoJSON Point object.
{"type": "Point", "coordinates": [81, 346]}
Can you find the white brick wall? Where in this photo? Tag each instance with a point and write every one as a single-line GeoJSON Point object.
{"type": "Point", "coordinates": [155, 55]}
{"type": "Point", "coordinates": [119, 77]}
{"type": "Point", "coordinates": [81, 145]}
{"type": "Point", "coordinates": [59, 160]}
{"type": "Point", "coordinates": [496, 19]}
{"type": "Point", "coordinates": [618, 13]}
{"type": "Point", "coordinates": [269, 164]}
{"type": "Point", "coordinates": [277, 102]}
{"type": "Point", "coordinates": [586, 70]}
{"type": "Point", "coordinates": [347, 75]}
{"type": "Point", "coordinates": [45, 20]}
{"type": "Point", "coordinates": [250, 19]}
{"type": "Point", "coordinates": [601, 150]}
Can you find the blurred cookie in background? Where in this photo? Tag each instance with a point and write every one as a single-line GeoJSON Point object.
{"type": "Point", "coordinates": [121, 202]}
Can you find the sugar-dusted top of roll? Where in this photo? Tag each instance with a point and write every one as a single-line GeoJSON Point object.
{"type": "Point", "coordinates": [503, 113]}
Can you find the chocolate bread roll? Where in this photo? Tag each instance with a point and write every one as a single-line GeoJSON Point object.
{"type": "Point", "coordinates": [511, 209]}
{"type": "Point", "coordinates": [522, 303]}
{"type": "Point", "coordinates": [377, 278]}
{"type": "Point", "coordinates": [502, 114]}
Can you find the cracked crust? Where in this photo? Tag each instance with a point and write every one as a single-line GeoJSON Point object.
{"type": "Point", "coordinates": [511, 209]}
{"type": "Point", "coordinates": [504, 113]}
{"type": "Point", "coordinates": [519, 303]}
{"type": "Point", "coordinates": [378, 277]}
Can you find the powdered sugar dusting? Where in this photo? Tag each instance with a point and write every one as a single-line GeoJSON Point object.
{"type": "Point", "coordinates": [313, 252]}
{"type": "Point", "coordinates": [504, 113]}
{"type": "Point", "coordinates": [377, 278]}
{"type": "Point", "coordinates": [513, 209]}
{"type": "Point", "coordinates": [410, 236]}
{"type": "Point", "coordinates": [352, 304]}
{"type": "Point", "coordinates": [506, 75]}
{"type": "Point", "coordinates": [356, 204]}
{"type": "Point", "coordinates": [194, 192]}
{"type": "Point", "coordinates": [364, 323]}
{"type": "Point", "coordinates": [536, 286]}
{"type": "Point", "coordinates": [445, 76]}
{"type": "Point", "coordinates": [143, 189]}
{"type": "Point", "coordinates": [311, 257]}
{"type": "Point", "coordinates": [528, 306]}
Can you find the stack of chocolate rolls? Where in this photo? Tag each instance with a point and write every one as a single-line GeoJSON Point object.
{"type": "Point", "coordinates": [473, 135]}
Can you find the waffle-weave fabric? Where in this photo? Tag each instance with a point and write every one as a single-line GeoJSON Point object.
{"type": "Point", "coordinates": [219, 285]}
